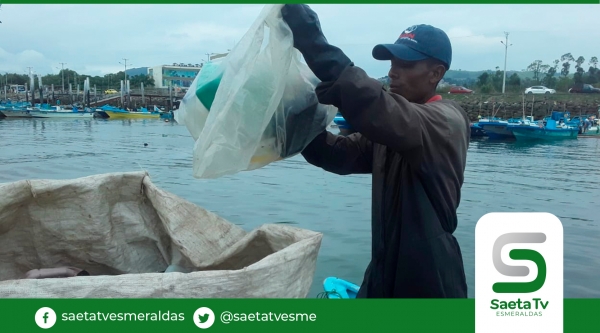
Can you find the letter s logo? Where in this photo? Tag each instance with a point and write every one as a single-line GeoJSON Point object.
{"type": "Point", "coordinates": [519, 254]}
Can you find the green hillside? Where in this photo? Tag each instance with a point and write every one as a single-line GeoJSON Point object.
{"type": "Point", "coordinates": [470, 77]}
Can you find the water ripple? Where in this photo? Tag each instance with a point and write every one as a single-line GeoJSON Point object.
{"type": "Point", "coordinates": [561, 178]}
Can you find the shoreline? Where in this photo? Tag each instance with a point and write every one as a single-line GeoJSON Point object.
{"type": "Point", "coordinates": [511, 105]}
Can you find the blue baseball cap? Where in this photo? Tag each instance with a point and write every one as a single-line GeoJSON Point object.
{"type": "Point", "coordinates": [418, 42]}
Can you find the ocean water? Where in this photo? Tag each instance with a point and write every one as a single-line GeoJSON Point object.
{"type": "Point", "coordinates": [561, 178]}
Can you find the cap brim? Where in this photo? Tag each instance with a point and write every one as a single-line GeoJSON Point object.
{"type": "Point", "coordinates": [402, 52]}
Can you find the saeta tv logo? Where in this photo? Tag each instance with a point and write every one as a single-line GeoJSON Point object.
{"type": "Point", "coordinates": [519, 254]}
{"type": "Point", "coordinates": [518, 272]}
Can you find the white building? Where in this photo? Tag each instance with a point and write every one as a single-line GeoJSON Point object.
{"type": "Point", "coordinates": [178, 74]}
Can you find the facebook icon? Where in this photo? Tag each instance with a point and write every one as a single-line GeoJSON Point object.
{"type": "Point", "coordinates": [45, 317]}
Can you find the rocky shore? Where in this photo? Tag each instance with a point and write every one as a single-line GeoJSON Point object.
{"type": "Point", "coordinates": [511, 105]}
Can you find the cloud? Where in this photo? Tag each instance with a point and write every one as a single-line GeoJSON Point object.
{"type": "Point", "coordinates": [18, 62]}
{"type": "Point", "coordinates": [96, 37]}
{"type": "Point", "coordinates": [467, 41]}
{"type": "Point", "coordinates": [204, 32]}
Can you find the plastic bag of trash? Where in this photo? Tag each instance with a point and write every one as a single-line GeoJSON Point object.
{"type": "Point", "coordinates": [256, 106]}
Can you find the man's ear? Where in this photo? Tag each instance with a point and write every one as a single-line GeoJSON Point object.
{"type": "Point", "coordinates": [437, 73]}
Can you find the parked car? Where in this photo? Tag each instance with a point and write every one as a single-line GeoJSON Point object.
{"type": "Point", "coordinates": [584, 89]}
{"type": "Point", "coordinates": [110, 91]}
{"type": "Point", "coordinates": [460, 90]}
{"type": "Point", "coordinates": [539, 90]}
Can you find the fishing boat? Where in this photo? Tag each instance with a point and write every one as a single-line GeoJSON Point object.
{"type": "Point", "coordinates": [477, 131]}
{"type": "Point", "coordinates": [554, 129]}
{"type": "Point", "coordinates": [526, 121]}
{"type": "Point", "coordinates": [495, 128]}
{"type": "Point", "coordinates": [116, 113]}
{"type": "Point", "coordinates": [62, 114]}
{"type": "Point", "coordinates": [503, 129]}
{"type": "Point", "coordinates": [15, 113]}
{"type": "Point", "coordinates": [166, 114]}
{"type": "Point", "coordinates": [593, 130]}
{"type": "Point", "coordinates": [15, 109]}
{"type": "Point", "coordinates": [57, 111]}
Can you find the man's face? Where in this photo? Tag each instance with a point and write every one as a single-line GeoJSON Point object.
{"type": "Point", "coordinates": [414, 80]}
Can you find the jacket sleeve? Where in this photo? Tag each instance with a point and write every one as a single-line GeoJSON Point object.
{"type": "Point", "coordinates": [382, 117]}
{"type": "Point", "coordinates": [341, 155]}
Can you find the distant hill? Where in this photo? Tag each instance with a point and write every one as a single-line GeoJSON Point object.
{"type": "Point", "coordinates": [460, 77]}
{"type": "Point", "coordinates": [137, 71]}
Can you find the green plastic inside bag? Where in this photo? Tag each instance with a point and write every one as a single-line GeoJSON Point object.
{"type": "Point", "coordinates": [208, 83]}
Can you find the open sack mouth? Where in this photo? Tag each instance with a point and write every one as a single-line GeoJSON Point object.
{"type": "Point", "coordinates": [119, 236]}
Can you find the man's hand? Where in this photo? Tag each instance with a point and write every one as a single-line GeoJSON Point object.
{"type": "Point", "coordinates": [326, 61]}
{"type": "Point", "coordinates": [305, 26]}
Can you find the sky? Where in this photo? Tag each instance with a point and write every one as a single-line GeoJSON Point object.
{"type": "Point", "coordinates": [94, 39]}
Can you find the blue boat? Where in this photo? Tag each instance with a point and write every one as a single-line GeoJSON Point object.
{"type": "Point", "coordinates": [502, 129]}
{"type": "Point", "coordinates": [477, 131]}
{"type": "Point", "coordinates": [167, 115]}
{"type": "Point", "coordinates": [495, 128]}
{"type": "Point", "coordinates": [11, 109]}
{"type": "Point", "coordinates": [554, 129]}
{"type": "Point", "coordinates": [337, 288]}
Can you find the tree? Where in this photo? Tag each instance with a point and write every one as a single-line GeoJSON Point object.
{"type": "Point", "coordinates": [484, 83]}
{"type": "Point", "coordinates": [536, 67]}
{"type": "Point", "coordinates": [483, 79]}
{"type": "Point", "coordinates": [136, 81]}
{"type": "Point", "coordinates": [578, 77]}
{"type": "Point", "coordinates": [594, 61]}
{"type": "Point", "coordinates": [514, 81]}
{"type": "Point", "coordinates": [563, 84]}
{"type": "Point", "coordinates": [550, 79]}
{"type": "Point", "coordinates": [593, 74]}
{"type": "Point", "coordinates": [567, 58]}
{"type": "Point", "coordinates": [497, 79]}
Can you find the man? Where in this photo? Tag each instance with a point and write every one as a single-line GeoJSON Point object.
{"type": "Point", "coordinates": [412, 142]}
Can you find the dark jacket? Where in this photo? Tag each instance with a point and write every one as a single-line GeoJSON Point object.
{"type": "Point", "coordinates": [416, 154]}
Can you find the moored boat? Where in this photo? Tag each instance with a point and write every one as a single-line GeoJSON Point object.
{"type": "Point", "coordinates": [496, 128]}
{"type": "Point", "coordinates": [15, 113]}
{"type": "Point", "coordinates": [116, 113]}
{"type": "Point", "coordinates": [477, 131]}
{"type": "Point", "coordinates": [593, 130]}
{"type": "Point", "coordinates": [553, 130]}
{"type": "Point", "coordinates": [59, 112]}
{"type": "Point", "coordinates": [131, 114]}
{"type": "Point", "coordinates": [15, 109]}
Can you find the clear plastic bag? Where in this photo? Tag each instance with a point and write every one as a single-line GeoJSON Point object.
{"type": "Point", "coordinates": [264, 109]}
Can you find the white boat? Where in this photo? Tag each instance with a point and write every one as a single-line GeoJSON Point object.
{"type": "Point", "coordinates": [594, 130]}
{"type": "Point", "coordinates": [15, 113]}
{"type": "Point", "coordinates": [60, 114]}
